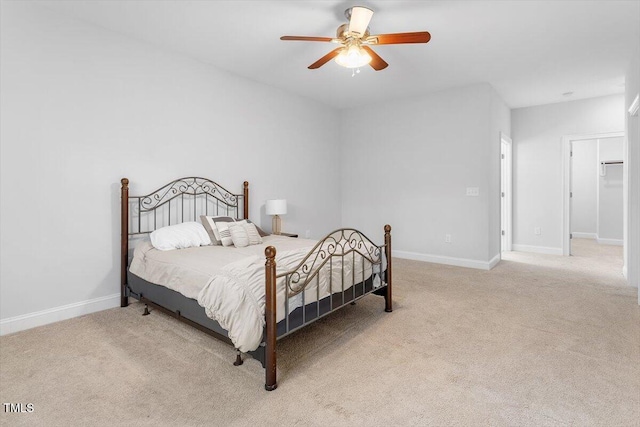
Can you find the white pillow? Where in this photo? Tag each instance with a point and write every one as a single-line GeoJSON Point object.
{"type": "Point", "coordinates": [180, 236]}
{"type": "Point", "coordinates": [244, 233]}
{"type": "Point", "coordinates": [239, 235]}
{"type": "Point", "coordinates": [253, 234]}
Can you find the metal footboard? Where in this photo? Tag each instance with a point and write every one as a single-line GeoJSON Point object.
{"type": "Point", "coordinates": [361, 267]}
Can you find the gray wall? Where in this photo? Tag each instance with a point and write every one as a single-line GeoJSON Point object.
{"type": "Point", "coordinates": [537, 139]}
{"type": "Point", "coordinates": [83, 107]}
{"type": "Point", "coordinates": [409, 162]}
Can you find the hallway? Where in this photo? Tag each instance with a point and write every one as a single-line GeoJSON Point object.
{"type": "Point", "coordinates": [593, 263]}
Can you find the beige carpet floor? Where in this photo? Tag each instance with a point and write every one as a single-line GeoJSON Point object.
{"type": "Point", "coordinates": [540, 340]}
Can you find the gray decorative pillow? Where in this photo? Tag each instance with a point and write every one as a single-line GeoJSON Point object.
{"type": "Point", "coordinates": [224, 232]}
{"type": "Point", "coordinates": [209, 223]}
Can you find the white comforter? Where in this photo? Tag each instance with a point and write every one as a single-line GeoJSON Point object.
{"type": "Point", "coordinates": [235, 297]}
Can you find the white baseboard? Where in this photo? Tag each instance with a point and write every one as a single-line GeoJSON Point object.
{"type": "Point", "coordinates": [439, 259]}
{"type": "Point", "coordinates": [538, 249]}
{"type": "Point", "coordinates": [614, 242]}
{"type": "Point", "coordinates": [624, 273]}
{"type": "Point", "coordinates": [44, 317]}
{"type": "Point", "coordinates": [579, 235]}
{"type": "Point", "coordinates": [494, 261]}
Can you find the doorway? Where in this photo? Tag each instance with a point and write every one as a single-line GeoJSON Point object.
{"type": "Point", "coordinates": [506, 185]}
{"type": "Point", "coordinates": [593, 192]}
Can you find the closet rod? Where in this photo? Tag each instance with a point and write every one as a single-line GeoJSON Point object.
{"type": "Point", "coordinates": [612, 162]}
{"type": "Point", "coordinates": [605, 163]}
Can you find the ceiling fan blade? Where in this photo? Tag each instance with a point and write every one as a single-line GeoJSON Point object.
{"type": "Point", "coordinates": [307, 39]}
{"type": "Point", "coordinates": [400, 38]}
{"type": "Point", "coordinates": [376, 63]}
{"type": "Point", "coordinates": [359, 21]}
{"type": "Point", "coordinates": [328, 57]}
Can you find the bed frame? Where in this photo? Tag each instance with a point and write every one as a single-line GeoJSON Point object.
{"type": "Point", "coordinates": [186, 199]}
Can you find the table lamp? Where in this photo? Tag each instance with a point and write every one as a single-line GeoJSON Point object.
{"type": "Point", "coordinates": [276, 208]}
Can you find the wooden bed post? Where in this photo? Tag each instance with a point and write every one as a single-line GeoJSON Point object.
{"type": "Point", "coordinates": [270, 317]}
{"type": "Point", "coordinates": [246, 199]}
{"type": "Point", "coordinates": [124, 241]}
{"type": "Point", "coordinates": [387, 250]}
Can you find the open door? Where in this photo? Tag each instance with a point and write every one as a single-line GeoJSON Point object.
{"type": "Point", "coordinates": [571, 205]}
{"type": "Point", "coordinates": [506, 180]}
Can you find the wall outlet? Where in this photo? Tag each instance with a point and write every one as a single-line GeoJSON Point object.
{"type": "Point", "coordinates": [473, 191]}
{"type": "Point", "coordinates": [447, 238]}
{"type": "Point", "coordinates": [537, 231]}
{"type": "Point", "coordinates": [307, 234]}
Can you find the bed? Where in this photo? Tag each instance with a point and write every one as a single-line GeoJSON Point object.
{"type": "Point", "coordinates": [249, 297]}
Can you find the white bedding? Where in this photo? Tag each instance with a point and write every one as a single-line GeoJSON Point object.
{"type": "Point", "coordinates": [188, 270]}
{"type": "Point", "coordinates": [229, 282]}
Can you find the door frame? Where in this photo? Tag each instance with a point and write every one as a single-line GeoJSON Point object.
{"type": "Point", "coordinates": [567, 140]}
{"type": "Point", "coordinates": [506, 165]}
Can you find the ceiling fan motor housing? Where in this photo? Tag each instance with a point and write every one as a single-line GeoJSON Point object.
{"type": "Point", "coordinates": [343, 32]}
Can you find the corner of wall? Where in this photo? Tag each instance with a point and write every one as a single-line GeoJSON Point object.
{"type": "Point", "coordinates": [632, 142]}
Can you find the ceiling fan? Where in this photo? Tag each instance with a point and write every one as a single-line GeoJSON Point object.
{"type": "Point", "coordinates": [354, 40]}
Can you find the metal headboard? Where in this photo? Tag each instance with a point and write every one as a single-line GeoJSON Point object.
{"type": "Point", "coordinates": [183, 200]}
{"type": "Point", "coordinates": [179, 201]}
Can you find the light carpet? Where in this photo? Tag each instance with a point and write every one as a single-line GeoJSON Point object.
{"type": "Point", "coordinates": [540, 340]}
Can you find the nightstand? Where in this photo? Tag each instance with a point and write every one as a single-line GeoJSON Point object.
{"type": "Point", "coordinates": [288, 234]}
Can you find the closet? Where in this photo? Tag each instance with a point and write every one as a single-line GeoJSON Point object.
{"type": "Point", "coordinates": [596, 190]}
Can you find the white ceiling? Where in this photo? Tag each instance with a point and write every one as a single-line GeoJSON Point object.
{"type": "Point", "coordinates": [530, 51]}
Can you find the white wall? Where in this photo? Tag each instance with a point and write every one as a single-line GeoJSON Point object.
{"type": "Point", "coordinates": [632, 169]}
{"type": "Point", "coordinates": [537, 138]}
{"type": "Point", "coordinates": [584, 185]}
{"type": "Point", "coordinates": [610, 204]}
{"type": "Point", "coordinates": [83, 107]}
{"type": "Point", "coordinates": [408, 163]}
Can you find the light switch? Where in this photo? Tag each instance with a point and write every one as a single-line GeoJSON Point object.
{"type": "Point", "coordinates": [473, 191]}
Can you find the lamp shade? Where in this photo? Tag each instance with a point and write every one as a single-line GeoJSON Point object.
{"type": "Point", "coordinates": [276, 207]}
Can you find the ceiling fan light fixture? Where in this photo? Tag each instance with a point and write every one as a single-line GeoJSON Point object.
{"type": "Point", "coordinates": [353, 57]}
{"type": "Point", "coordinates": [354, 42]}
